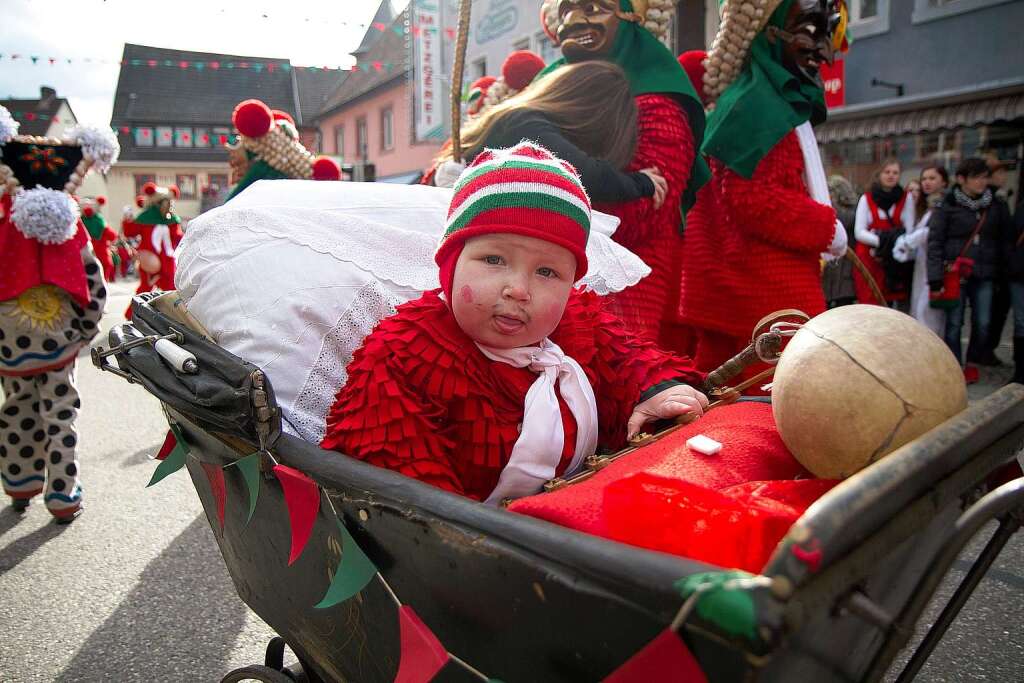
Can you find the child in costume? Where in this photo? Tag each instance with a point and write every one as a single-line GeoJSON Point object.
{"type": "Point", "coordinates": [51, 299]}
{"type": "Point", "coordinates": [508, 376]}
{"type": "Point", "coordinates": [756, 235]}
{"type": "Point", "coordinates": [101, 234]}
{"type": "Point", "coordinates": [159, 231]}
{"type": "Point", "coordinates": [670, 128]}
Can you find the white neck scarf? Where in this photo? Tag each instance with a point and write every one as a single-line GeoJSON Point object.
{"type": "Point", "coordinates": [538, 450]}
{"type": "Point", "coordinates": [814, 171]}
{"type": "Point", "coordinates": [161, 239]}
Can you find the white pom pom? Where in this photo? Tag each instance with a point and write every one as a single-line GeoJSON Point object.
{"type": "Point", "coordinates": [8, 126]}
{"type": "Point", "coordinates": [98, 145]}
{"type": "Point", "coordinates": [48, 216]}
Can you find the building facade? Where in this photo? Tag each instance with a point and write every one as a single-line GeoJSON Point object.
{"type": "Point", "coordinates": [926, 81]}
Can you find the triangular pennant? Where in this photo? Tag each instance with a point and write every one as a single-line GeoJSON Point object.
{"type": "Point", "coordinates": [169, 465]}
{"type": "Point", "coordinates": [422, 654]}
{"type": "Point", "coordinates": [723, 603]}
{"type": "Point", "coordinates": [169, 444]}
{"type": "Point", "coordinates": [354, 571]}
{"type": "Point", "coordinates": [303, 500]}
{"type": "Point", "coordinates": [250, 469]}
{"type": "Point", "coordinates": [215, 475]}
{"type": "Point", "coordinates": [666, 658]}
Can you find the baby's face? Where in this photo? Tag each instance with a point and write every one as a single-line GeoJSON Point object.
{"type": "Point", "coordinates": [511, 290]}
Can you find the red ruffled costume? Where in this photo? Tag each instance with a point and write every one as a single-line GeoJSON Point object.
{"type": "Point", "coordinates": [422, 400]}
{"type": "Point", "coordinates": [650, 308]}
{"type": "Point", "coordinates": [880, 222]}
{"type": "Point", "coordinates": [751, 248]}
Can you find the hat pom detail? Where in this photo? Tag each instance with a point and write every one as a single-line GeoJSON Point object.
{"type": "Point", "coordinates": [325, 168]}
{"type": "Point", "coordinates": [252, 118]}
{"type": "Point", "coordinates": [45, 215]}
{"type": "Point", "coordinates": [8, 126]}
{"type": "Point", "coordinates": [175, 192]}
{"type": "Point", "coordinates": [99, 145]}
{"type": "Point", "coordinates": [520, 68]}
{"type": "Point", "coordinates": [149, 188]}
{"type": "Point", "coordinates": [88, 212]}
{"type": "Point", "coordinates": [140, 201]}
{"type": "Point", "coordinates": [101, 200]}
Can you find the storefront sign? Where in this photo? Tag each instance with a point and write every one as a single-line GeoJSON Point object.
{"type": "Point", "coordinates": [429, 93]}
{"type": "Point", "coordinates": [501, 17]}
{"type": "Point", "coordinates": [835, 83]}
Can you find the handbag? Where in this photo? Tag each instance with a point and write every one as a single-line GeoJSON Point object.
{"type": "Point", "coordinates": [960, 269]}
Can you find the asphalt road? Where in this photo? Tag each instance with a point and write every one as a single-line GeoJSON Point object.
{"type": "Point", "coordinates": [135, 589]}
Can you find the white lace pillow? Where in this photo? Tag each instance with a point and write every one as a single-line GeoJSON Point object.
{"type": "Point", "coordinates": [292, 275]}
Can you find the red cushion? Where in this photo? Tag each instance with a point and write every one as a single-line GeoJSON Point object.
{"type": "Point", "coordinates": [730, 509]}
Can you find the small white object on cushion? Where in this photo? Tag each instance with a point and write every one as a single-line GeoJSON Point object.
{"type": "Point", "coordinates": [292, 275]}
{"type": "Point", "coordinates": [703, 444]}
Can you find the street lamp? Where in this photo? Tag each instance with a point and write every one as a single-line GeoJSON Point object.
{"type": "Point", "coordinates": [898, 87]}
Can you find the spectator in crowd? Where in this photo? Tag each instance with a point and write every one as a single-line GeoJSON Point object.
{"type": "Point", "coordinates": [883, 214]}
{"type": "Point", "coordinates": [837, 276]}
{"type": "Point", "coordinates": [1015, 278]}
{"type": "Point", "coordinates": [933, 186]}
{"type": "Point", "coordinates": [971, 223]}
{"type": "Point", "coordinates": [986, 355]}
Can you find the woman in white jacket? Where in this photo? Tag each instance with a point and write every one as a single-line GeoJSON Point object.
{"type": "Point", "coordinates": [934, 182]}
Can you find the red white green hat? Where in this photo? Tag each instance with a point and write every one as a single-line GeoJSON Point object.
{"type": "Point", "coordinates": [523, 190]}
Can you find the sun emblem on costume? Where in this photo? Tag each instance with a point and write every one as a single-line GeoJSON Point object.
{"type": "Point", "coordinates": [42, 307]}
{"type": "Point", "coordinates": [39, 158]}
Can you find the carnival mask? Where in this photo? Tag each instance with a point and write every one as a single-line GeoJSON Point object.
{"type": "Point", "coordinates": [587, 28]}
{"type": "Point", "coordinates": [807, 37]}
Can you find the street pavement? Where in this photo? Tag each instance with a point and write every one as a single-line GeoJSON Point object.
{"type": "Point", "coordinates": [135, 589]}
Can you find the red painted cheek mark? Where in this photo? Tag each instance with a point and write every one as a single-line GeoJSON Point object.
{"type": "Point", "coordinates": [467, 294]}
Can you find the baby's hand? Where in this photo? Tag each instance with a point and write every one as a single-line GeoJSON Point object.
{"type": "Point", "coordinates": [672, 402]}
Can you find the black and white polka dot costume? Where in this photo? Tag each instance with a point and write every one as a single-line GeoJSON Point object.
{"type": "Point", "coordinates": [41, 334]}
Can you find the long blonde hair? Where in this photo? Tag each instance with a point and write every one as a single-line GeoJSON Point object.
{"type": "Point", "coordinates": [590, 102]}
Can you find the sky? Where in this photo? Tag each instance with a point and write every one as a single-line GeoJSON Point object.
{"type": "Point", "coordinates": [308, 32]}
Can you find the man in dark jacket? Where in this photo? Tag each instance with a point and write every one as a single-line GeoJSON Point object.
{"type": "Point", "coordinates": [974, 223]}
{"type": "Point", "coordinates": [1015, 275]}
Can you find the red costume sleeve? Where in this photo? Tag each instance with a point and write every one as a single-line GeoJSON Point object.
{"type": "Point", "coordinates": [384, 416]}
{"type": "Point", "coordinates": [621, 365]}
{"type": "Point", "coordinates": [108, 234]}
{"type": "Point", "coordinates": [131, 228]}
{"type": "Point", "coordinates": [664, 140]}
{"type": "Point", "coordinates": [773, 205]}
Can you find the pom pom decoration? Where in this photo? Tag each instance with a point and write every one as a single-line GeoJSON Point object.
{"type": "Point", "coordinates": [252, 118]}
{"type": "Point", "coordinates": [175, 192]}
{"type": "Point", "coordinates": [325, 168]}
{"type": "Point", "coordinates": [520, 68]}
{"type": "Point", "coordinates": [101, 200]}
{"type": "Point", "coordinates": [99, 145]}
{"type": "Point", "coordinates": [45, 215]}
{"type": "Point", "coordinates": [280, 115]}
{"type": "Point", "coordinates": [149, 188]}
{"type": "Point", "coordinates": [88, 211]}
{"type": "Point", "coordinates": [140, 202]}
{"type": "Point", "coordinates": [8, 126]}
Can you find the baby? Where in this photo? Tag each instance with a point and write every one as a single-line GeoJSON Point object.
{"type": "Point", "coordinates": [508, 376]}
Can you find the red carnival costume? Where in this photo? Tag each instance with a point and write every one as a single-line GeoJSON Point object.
{"type": "Point", "coordinates": [159, 231]}
{"type": "Point", "coordinates": [456, 428]}
{"type": "Point", "coordinates": [102, 236]}
{"type": "Point", "coordinates": [879, 221]}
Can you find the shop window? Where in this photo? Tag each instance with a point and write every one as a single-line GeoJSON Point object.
{"type": "Point", "coordinates": [186, 185]}
{"type": "Point", "coordinates": [143, 136]}
{"type": "Point", "coordinates": [164, 136]}
{"type": "Point", "coordinates": [478, 69]}
{"type": "Point", "coordinates": [545, 48]}
{"type": "Point", "coordinates": [521, 44]}
{"type": "Point", "coordinates": [930, 10]}
{"type": "Point", "coordinates": [141, 179]}
{"type": "Point", "coordinates": [868, 17]}
{"type": "Point", "coordinates": [215, 182]}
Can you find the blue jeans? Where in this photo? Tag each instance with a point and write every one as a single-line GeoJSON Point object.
{"type": "Point", "coordinates": [979, 293]}
{"type": "Point", "coordinates": [1017, 296]}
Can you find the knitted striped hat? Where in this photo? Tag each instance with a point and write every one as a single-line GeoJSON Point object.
{"type": "Point", "coordinates": [524, 190]}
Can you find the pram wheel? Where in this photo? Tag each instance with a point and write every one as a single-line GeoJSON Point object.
{"type": "Point", "coordinates": [257, 672]}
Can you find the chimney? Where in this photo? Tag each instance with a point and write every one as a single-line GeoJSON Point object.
{"type": "Point", "coordinates": [47, 95]}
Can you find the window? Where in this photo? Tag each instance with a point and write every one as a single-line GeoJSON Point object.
{"type": "Point", "coordinates": [186, 185]}
{"type": "Point", "coordinates": [387, 129]}
{"type": "Point", "coordinates": [339, 141]}
{"type": "Point", "coordinates": [164, 136]}
{"type": "Point", "coordinates": [202, 137]}
{"type": "Point", "coordinates": [182, 137]}
{"type": "Point", "coordinates": [221, 135]}
{"type": "Point", "coordinates": [141, 179]}
{"type": "Point", "coordinates": [545, 48]}
{"type": "Point", "coordinates": [929, 10]}
{"type": "Point", "coordinates": [478, 69]}
{"type": "Point", "coordinates": [144, 137]}
{"type": "Point", "coordinates": [868, 17]}
{"type": "Point", "coordinates": [216, 182]}
{"type": "Point", "coordinates": [362, 141]}
{"type": "Point", "coordinates": [521, 44]}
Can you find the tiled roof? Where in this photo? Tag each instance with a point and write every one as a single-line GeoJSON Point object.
{"type": "Point", "coordinates": [391, 49]}
{"type": "Point", "coordinates": [385, 15]}
{"type": "Point", "coordinates": [44, 107]}
{"type": "Point", "coordinates": [314, 86]}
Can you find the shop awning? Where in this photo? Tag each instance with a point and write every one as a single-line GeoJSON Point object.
{"type": "Point", "coordinates": [982, 104]}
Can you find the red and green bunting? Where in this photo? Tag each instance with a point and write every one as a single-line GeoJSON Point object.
{"type": "Point", "coordinates": [422, 655]}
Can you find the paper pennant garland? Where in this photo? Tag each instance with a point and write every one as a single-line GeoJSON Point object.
{"type": "Point", "coordinates": [422, 654]}
{"type": "Point", "coordinates": [354, 571]}
{"type": "Point", "coordinates": [173, 461]}
{"type": "Point", "coordinates": [249, 466]}
{"type": "Point", "coordinates": [730, 608]}
{"type": "Point", "coordinates": [215, 475]}
{"type": "Point", "coordinates": [666, 658]}
{"type": "Point", "coordinates": [303, 500]}
{"type": "Point", "coordinates": [169, 444]}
